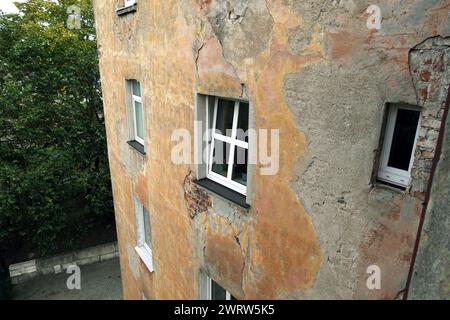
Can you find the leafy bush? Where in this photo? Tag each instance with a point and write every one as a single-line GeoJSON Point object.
{"type": "Point", "coordinates": [54, 174]}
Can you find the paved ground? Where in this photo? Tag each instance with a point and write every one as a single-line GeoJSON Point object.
{"type": "Point", "coordinates": [99, 281]}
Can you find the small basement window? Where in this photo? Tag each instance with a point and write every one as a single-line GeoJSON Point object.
{"type": "Point", "coordinates": [397, 156]}
{"type": "Point", "coordinates": [144, 235]}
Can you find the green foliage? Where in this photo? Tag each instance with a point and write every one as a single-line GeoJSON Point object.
{"type": "Point", "coordinates": [54, 174]}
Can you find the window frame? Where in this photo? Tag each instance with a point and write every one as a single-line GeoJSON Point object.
{"type": "Point", "coordinates": [395, 176]}
{"type": "Point", "coordinates": [129, 6]}
{"type": "Point", "coordinates": [209, 285]}
{"type": "Point", "coordinates": [137, 99]}
{"type": "Point", "coordinates": [129, 3]}
{"type": "Point", "coordinates": [232, 141]}
{"type": "Point", "coordinates": [144, 251]}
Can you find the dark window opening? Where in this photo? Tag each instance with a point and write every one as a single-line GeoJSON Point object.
{"type": "Point", "coordinates": [219, 293]}
{"type": "Point", "coordinates": [225, 112]}
{"type": "Point", "coordinates": [403, 139]}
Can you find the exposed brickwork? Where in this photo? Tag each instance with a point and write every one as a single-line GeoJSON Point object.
{"type": "Point", "coordinates": [314, 71]}
{"type": "Point", "coordinates": [428, 63]}
{"type": "Point", "coordinates": [196, 200]}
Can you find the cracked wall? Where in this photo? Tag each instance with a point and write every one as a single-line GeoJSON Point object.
{"type": "Point", "coordinates": [431, 276]}
{"type": "Point", "coordinates": [311, 69]}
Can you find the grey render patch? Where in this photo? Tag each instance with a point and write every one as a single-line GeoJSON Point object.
{"type": "Point", "coordinates": [235, 24]}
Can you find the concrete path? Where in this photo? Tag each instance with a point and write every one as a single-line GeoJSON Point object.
{"type": "Point", "coordinates": [99, 281]}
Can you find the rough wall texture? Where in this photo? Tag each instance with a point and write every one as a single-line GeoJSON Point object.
{"type": "Point", "coordinates": [311, 69]}
{"type": "Point", "coordinates": [431, 277]}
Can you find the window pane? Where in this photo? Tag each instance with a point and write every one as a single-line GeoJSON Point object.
{"type": "Point", "coordinates": [242, 125]}
{"type": "Point", "coordinates": [240, 166]}
{"type": "Point", "coordinates": [136, 88]}
{"type": "Point", "coordinates": [139, 119]}
{"type": "Point", "coordinates": [225, 112]}
{"type": "Point", "coordinates": [403, 139]}
{"type": "Point", "coordinates": [220, 157]}
{"type": "Point", "coordinates": [147, 229]}
{"type": "Point", "coordinates": [217, 292]}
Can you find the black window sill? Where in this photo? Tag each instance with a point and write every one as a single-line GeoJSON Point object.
{"type": "Point", "coordinates": [137, 146]}
{"type": "Point", "coordinates": [224, 192]}
{"type": "Point", "coordinates": [126, 10]}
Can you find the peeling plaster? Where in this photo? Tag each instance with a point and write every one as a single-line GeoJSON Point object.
{"type": "Point", "coordinates": [312, 70]}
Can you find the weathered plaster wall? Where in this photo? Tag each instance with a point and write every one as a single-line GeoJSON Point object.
{"type": "Point", "coordinates": [431, 277]}
{"type": "Point", "coordinates": [311, 69]}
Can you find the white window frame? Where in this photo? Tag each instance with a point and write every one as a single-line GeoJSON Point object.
{"type": "Point", "coordinates": [389, 174]}
{"type": "Point", "coordinates": [209, 290]}
{"type": "Point", "coordinates": [142, 249]}
{"type": "Point", "coordinates": [232, 141]}
{"type": "Point", "coordinates": [137, 99]}
{"type": "Point", "coordinates": [129, 3]}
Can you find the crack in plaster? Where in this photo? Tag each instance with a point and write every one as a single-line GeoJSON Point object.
{"type": "Point", "coordinates": [197, 57]}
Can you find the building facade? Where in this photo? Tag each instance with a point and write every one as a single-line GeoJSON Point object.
{"type": "Point", "coordinates": [344, 102]}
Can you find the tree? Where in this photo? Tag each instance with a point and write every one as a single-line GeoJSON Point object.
{"type": "Point", "coordinates": [54, 174]}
